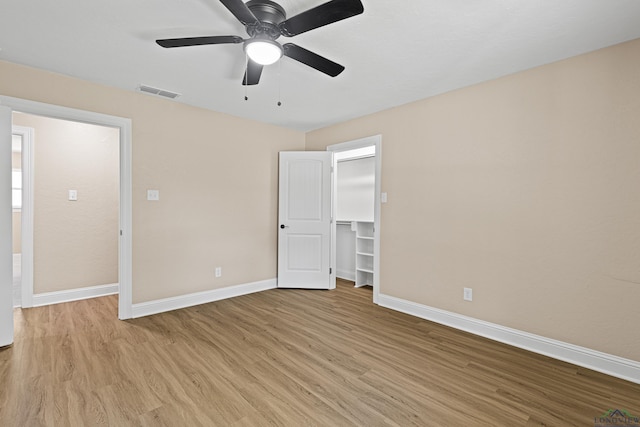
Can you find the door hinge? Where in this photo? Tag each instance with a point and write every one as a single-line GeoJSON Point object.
{"type": "Point", "coordinates": [121, 232]}
{"type": "Point", "coordinates": [330, 270]}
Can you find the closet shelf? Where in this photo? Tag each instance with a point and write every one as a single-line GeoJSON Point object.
{"type": "Point", "coordinates": [364, 254]}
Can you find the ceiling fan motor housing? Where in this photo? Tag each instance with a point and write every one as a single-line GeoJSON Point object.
{"type": "Point", "coordinates": [269, 15]}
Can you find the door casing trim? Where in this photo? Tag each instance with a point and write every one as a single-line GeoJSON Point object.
{"type": "Point", "coordinates": [126, 205]}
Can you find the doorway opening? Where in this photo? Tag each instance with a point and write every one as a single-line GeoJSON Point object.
{"type": "Point", "coordinates": [123, 126]}
{"type": "Point", "coordinates": [22, 210]}
{"type": "Point", "coordinates": [355, 238]}
{"type": "Point", "coordinates": [66, 239]}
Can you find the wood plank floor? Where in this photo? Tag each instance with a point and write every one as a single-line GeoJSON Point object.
{"type": "Point", "coordinates": [283, 357]}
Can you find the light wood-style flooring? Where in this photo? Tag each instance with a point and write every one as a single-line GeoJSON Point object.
{"type": "Point", "coordinates": [283, 357]}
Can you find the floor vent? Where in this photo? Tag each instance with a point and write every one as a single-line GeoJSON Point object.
{"type": "Point", "coordinates": [159, 92]}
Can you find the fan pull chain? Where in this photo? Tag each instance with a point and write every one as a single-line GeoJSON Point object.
{"type": "Point", "coordinates": [279, 81]}
{"type": "Point", "coordinates": [246, 75]}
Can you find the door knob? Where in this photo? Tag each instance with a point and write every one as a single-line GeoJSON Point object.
{"type": "Point", "coordinates": [284, 226]}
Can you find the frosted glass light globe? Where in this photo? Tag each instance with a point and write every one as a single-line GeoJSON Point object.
{"type": "Point", "coordinates": [263, 52]}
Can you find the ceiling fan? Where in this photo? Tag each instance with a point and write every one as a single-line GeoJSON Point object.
{"type": "Point", "coordinates": [265, 21]}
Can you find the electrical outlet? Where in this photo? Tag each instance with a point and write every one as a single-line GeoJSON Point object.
{"type": "Point", "coordinates": [218, 271]}
{"type": "Point", "coordinates": [468, 294]}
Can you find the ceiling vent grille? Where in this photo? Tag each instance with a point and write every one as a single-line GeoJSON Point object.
{"type": "Point", "coordinates": [157, 91]}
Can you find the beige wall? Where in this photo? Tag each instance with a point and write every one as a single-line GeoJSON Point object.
{"type": "Point", "coordinates": [217, 177]}
{"type": "Point", "coordinates": [75, 242]}
{"type": "Point", "coordinates": [526, 189]}
{"type": "Point", "coordinates": [16, 160]}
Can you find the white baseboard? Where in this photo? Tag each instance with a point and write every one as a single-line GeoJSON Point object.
{"type": "Point", "coordinates": [602, 362]}
{"type": "Point", "coordinates": [48, 298]}
{"type": "Point", "coordinates": [346, 275]}
{"type": "Point", "coordinates": [189, 300]}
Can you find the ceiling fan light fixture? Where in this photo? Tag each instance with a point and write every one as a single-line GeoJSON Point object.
{"type": "Point", "coordinates": [263, 52]}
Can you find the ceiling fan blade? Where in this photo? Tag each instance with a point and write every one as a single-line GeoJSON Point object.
{"type": "Point", "coordinates": [252, 74]}
{"type": "Point", "coordinates": [327, 13]}
{"type": "Point", "coordinates": [198, 41]}
{"type": "Point", "coordinates": [311, 59]}
{"type": "Point", "coordinates": [240, 11]}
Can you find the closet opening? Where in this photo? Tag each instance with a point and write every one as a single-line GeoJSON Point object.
{"type": "Point", "coordinates": [356, 199]}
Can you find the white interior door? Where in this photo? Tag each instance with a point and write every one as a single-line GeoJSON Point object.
{"type": "Point", "coordinates": [6, 257]}
{"type": "Point", "coordinates": [304, 214]}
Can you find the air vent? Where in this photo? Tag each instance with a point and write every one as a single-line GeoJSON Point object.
{"type": "Point", "coordinates": [159, 92]}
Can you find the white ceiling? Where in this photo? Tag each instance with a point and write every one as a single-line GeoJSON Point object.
{"type": "Point", "coordinates": [394, 53]}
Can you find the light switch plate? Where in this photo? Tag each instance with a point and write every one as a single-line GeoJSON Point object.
{"type": "Point", "coordinates": [73, 195]}
{"type": "Point", "coordinates": [153, 195]}
{"type": "Point", "coordinates": [383, 197]}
